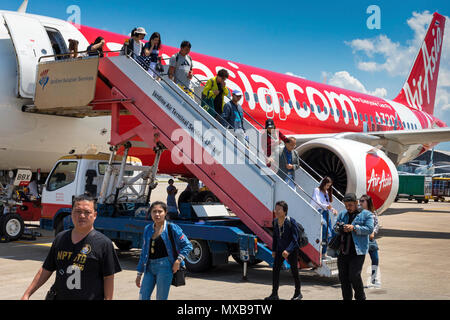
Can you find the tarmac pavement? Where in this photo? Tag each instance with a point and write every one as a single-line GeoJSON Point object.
{"type": "Point", "coordinates": [414, 263]}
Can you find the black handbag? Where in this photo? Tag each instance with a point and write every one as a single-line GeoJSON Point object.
{"type": "Point", "coordinates": [179, 277]}
{"type": "Point", "coordinates": [335, 242]}
{"type": "Point", "coordinates": [51, 294]}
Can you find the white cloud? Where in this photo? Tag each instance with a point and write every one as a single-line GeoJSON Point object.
{"type": "Point", "coordinates": [397, 58]}
{"type": "Point", "coordinates": [343, 79]}
{"type": "Point", "coordinates": [294, 75]}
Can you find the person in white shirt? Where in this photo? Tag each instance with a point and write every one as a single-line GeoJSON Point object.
{"type": "Point", "coordinates": [321, 201]}
{"type": "Point", "coordinates": [134, 46]}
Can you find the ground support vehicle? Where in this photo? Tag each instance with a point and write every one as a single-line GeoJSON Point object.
{"type": "Point", "coordinates": [415, 187]}
{"type": "Point", "coordinates": [441, 188]}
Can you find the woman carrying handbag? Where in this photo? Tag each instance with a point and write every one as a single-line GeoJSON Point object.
{"type": "Point", "coordinates": [157, 262]}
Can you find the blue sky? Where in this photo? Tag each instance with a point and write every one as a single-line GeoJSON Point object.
{"type": "Point", "coordinates": [313, 39]}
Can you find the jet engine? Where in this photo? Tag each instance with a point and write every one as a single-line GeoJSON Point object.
{"type": "Point", "coordinates": [354, 167]}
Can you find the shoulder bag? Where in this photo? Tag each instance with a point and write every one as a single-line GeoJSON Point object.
{"type": "Point", "coordinates": [179, 277]}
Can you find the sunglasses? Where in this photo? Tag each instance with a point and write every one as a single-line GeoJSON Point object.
{"type": "Point", "coordinates": [362, 200]}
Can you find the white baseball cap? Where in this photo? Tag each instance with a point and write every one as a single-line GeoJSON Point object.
{"type": "Point", "coordinates": [140, 30]}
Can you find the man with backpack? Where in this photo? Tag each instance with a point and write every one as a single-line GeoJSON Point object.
{"type": "Point", "coordinates": [287, 238]}
{"type": "Point", "coordinates": [180, 67]}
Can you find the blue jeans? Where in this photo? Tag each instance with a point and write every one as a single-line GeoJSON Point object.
{"type": "Point", "coordinates": [289, 181]}
{"type": "Point", "coordinates": [326, 232]}
{"type": "Point", "coordinates": [159, 273]}
{"type": "Point", "coordinates": [374, 254]}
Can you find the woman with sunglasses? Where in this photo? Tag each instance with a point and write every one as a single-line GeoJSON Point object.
{"type": "Point", "coordinates": [374, 280]}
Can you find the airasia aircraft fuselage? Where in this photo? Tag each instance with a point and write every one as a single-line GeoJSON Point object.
{"type": "Point", "coordinates": [298, 106]}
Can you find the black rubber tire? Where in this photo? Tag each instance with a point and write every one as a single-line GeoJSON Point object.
{"type": "Point", "coordinates": [205, 196]}
{"type": "Point", "coordinates": [185, 197]}
{"type": "Point", "coordinates": [199, 259]}
{"type": "Point", "coordinates": [12, 227]}
{"type": "Point", "coordinates": [1, 223]}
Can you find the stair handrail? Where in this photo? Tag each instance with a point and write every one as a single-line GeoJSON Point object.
{"type": "Point", "coordinates": [193, 103]}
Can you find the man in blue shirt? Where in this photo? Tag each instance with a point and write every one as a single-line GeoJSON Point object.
{"type": "Point", "coordinates": [233, 115]}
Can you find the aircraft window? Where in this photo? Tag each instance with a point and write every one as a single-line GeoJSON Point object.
{"type": "Point", "coordinates": [407, 124]}
{"type": "Point", "coordinates": [344, 114]}
{"type": "Point", "coordinates": [415, 126]}
{"type": "Point", "coordinates": [305, 106]}
{"type": "Point", "coordinates": [349, 115]}
{"type": "Point", "coordinates": [58, 44]}
{"type": "Point", "coordinates": [312, 107]}
{"type": "Point", "coordinates": [371, 118]}
{"type": "Point", "coordinates": [318, 109]}
{"type": "Point", "coordinates": [256, 97]}
{"type": "Point", "coordinates": [325, 110]}
{"type": "Point", "coordinates": [360, 117]}
{"type": "Point", "coordinates": [365, 117]}
{"type": "Point", "coordinates": [355, 115]}
{"type": "Point", "coordinates": [268, 100]}
{"type": "Point", "coordinates": [281, 102]}
{"type": "Point", "coordinates": [247, 96]}
{"type": "Point", "coordinates": [338, 113]}
{"type": "Point", "coordinates": [332, 111]}
{"type": "Point", "coordinates": [291, 105]}
{"type": "Point", "coordinates": [404, 126]}
{"type": "Point", "coordinates": [62, 175]}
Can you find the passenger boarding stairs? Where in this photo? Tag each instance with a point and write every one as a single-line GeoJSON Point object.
{"type": "Point", "coordinates": [235, 172]}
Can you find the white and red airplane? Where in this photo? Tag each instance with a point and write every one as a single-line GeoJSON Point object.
{"type": "Point", "coordinates": [336, 129]}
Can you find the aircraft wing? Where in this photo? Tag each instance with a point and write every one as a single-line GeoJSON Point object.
{"type": "Point", "coordinates": [413, 137]}
{"type": "Point", "coordinates": [395, 142]}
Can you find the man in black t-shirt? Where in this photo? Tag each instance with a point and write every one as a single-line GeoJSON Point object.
{"type": "Point", "coordinates": [84, 259]}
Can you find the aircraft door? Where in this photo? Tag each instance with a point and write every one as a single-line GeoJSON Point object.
{"type": "Point", "coordinates": [270, 111]}
{"type": "Point", "coordinates": [282, 113]}
{"type": "Point", "coordinates": [31, 41]}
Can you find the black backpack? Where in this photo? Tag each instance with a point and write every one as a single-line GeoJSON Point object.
{"type": "Point", "coordinates": [302, 238]}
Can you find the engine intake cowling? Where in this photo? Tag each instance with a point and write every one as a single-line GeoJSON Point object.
{"type": "Point", "coordinates": [354, 167]}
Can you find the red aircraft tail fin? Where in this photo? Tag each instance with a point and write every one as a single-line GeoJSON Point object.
{"type": "Point", "coordinates": [419, 91]}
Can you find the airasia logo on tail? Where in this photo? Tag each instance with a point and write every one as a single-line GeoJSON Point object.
{"type": "Point", "coordinates": [379, 179]}
{"type": "Point", "coordinates": [420, 89]}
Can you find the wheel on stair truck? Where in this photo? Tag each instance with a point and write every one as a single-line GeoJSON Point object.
{"type": "Point", "coordinates": [199, 259]}
{"type": "Point", "coordinates": [12, 227]}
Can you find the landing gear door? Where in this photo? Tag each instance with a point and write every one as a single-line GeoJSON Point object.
{"type": "Point", "coordinates": [30, 41]}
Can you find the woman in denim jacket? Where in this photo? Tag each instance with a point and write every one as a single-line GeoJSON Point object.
{"type": "Point", "coordinates": [354, 226]}
{"type": "Point", "coordinates": [157, 261]}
